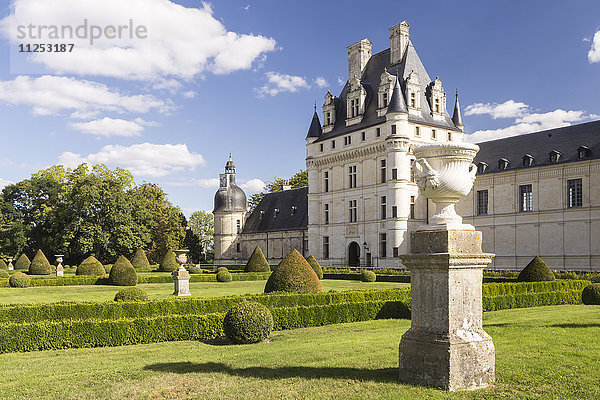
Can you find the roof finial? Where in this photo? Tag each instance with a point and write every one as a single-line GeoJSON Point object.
{"type": "Point", "coordinates": [230, 157]}
{"type": "Point", "coordinates": [457, 115]}
{"type": "Point", "coordinates": [457, 93]}
{"type": "Point", "coordinates": [315, 106]}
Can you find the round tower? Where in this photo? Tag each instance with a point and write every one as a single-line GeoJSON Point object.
{"type": "Point", "coordinates": [230, 209]}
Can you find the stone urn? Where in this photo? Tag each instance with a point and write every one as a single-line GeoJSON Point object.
{"type": "Point", "coordinates": [181, 256]}
{"type": "Point", "coordinates": [445, 174]}
{"type": "Point", "coordinates": [181, 277]}
{"type": "Point", "coordinates": [60, 270]}
{"type": "Point", "coordinates": [11, 267]}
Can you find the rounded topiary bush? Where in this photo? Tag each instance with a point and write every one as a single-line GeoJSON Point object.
{"type": "Point", "coordinates": [257, 262]}
{"type": "Point", "coordinates": [536, 271]}
{"type": "Point", "coordinates": [192, 269]}
{"type": "Point", "coordinates": [40, 265]}
{"type": "Point", "coordinates": [3, 265]}
{"type": "Point", "coordinates": [591, 294]}
{"type": "Point", "coordinates": [248, 322]}
{"type": "Point", "coordinates": [22, 262]}
{"type": "Point", "coordinates": [90, 266]}
{"type": "Point", "coordinates": [314, 264]}
{"type": "Point", "coordinates": [224, 276]}
{"type": "Point", "coordinates": [368, 276]}
{"type": "Point", "coordinates": [293, 274]}
{"type": "Point", "coordinates": [222, 269]}
{"type": "Point", "coordinates": [140, 260]}
{"type": "Point", "coordinates": [131, 294]}
{"type": "Point", "coordinates": [4, 274]}
{"type": "Point", "coordinates": [168, 263]}
{"type": "Point", "coordinates": [122, 273]}
{"type": "Point", "coordinates": [19, 280]}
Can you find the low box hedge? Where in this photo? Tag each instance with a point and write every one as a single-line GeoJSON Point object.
{"type": "Point", "coordinates": [497, 289]}
{"type": "Point", "coordinates": [531, 299]}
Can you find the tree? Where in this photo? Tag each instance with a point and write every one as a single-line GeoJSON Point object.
{"type": "Point", "coordinates": [298, 180]}
{"type": "Point", "coordinates": [202, 224]}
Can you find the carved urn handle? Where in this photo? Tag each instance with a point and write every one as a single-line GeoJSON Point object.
{"type": "Point", "coordinates": [425, 175]}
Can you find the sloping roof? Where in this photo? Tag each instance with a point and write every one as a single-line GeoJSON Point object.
{"type": "Point", "coordinates": [315, 126]}
{"type": "Point", "coordinates": [397, 103]}
{"type": "Point", "coordinates": [264, 218]}
{"type": "Point", "coordinates": [457, 115]}
{"type": "Point", "coordinates": [371, 79]}
{"type": "Point", "coordinates": [566, 140]}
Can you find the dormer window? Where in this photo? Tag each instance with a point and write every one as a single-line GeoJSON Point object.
{"type": "Point", "coordinates": [437, 105]}
{"type": "Point", "coordinates": [328, 112]}
{"type": "Point", "coordinates": [385, 100]}
{"type": "Point", "coordinates": [413, 91]}
{"type": "Point", "coordinates": [554, 156]}
{"type": "Point", "coordinates": [386, 83]}
{"type": "Point", "coordinates": [437, 98]}
{"type": "Point", "coordinates": [583, 152]}
{"type": "Point", "coordinates": [355, 102]}
{"type": "Point", "coordinates": [481, 167]}
{"type": "Point", "coordinates": [503, 164]}
{"type": "Point", "coordinates": [528, 160]}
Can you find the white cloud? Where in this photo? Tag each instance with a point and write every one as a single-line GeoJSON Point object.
{"type": "Point", "coordinates": [525, 122]}
{"type": "Point", "coordinates": [145, 159]}
{"type": "Point", "coordinates": [341, 82]}
{"type": "Point", "coordinates": [508, 109]}
{"type": "Point", "coordinates": [321, 82]}
{"type": "Point", "coordinates": [253, 186]}
{"type": "Point", "coordinates": [171, 85]}
{"type": "Point", "coordinates": [4, 183]}
{"type": "Point", "coordinates": [180, 42]}
{"type": "Point", "coordinates": [277, 83]}
{"type": "Point", "coordinates": [246, 8]}
{"type": "Point", "coordinates": [190, 94]}
{"type": "Point", "coordinates": [49, 95]}
{"type": "Point", "coordinates": [594, 53]}
{"type": "Point", "coordinates": [113, 127]}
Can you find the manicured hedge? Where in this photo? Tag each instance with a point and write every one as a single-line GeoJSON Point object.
{"type": "Point", "coordinates": [497, 289]}
{"type": "Point", "coordinates": [20, 313]}
{"type": "Point", "coordinates": [523, 300]}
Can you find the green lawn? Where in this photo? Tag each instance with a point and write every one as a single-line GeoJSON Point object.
{"type": "Point", "coordinates": [50, 294]}
{"type": "Point", "coordinates": [545, 353]}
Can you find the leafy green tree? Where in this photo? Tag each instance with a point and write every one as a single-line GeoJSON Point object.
{"type": "Point", "coordinates": [202, 224]}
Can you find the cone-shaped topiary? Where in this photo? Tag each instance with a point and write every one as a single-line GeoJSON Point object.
{"type": "Point", "coordinates": [4, 274]}
{"type": "Point", "coordinates": [536, 271]}
{"type": "Point", "coordinates": [591, 294]}
{"type": "Point", "coordinates": [293, 274]}
{"type": "Point", "coordinates": [90, 266]}
{"type": "Point", "coordinates": [140, 260]}
{"type": "Point", "coordinates": [131, 294]}
{"type": "Point", "coordinates": [3, 265]}
{"type": "Point", "coordinates": [368, 276]}
{"type": "Point", "coordinates": [222, 269]}
{"type": "Point", "coordinates": [40, 265]}
{"type": "Point", "coordinates": [168, 263]}
{"type": "Point", "coordinates": [257, 262]}
{"type": "Point", "coordinates": [122, 273]}
{"type": "Point", "coordinates": [19, 280]}
{"type": "Point", "coordinates": [315, 266]}
{"type": "Point", "coordinates": [23, 262]}
{"type": "Point", "coordinates": [248, 322]}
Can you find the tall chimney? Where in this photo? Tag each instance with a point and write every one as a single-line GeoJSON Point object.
{"type": "Point", "coordinates": [358, 56]}
{"type": "Point", "coordinates": [398, 41]}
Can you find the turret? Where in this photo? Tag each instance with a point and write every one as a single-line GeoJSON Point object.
{"type": "Point", "coordinates": [315, 130]}
{"type": "Point", "coordinates": [397, 104]}
{"type": "Point", "coordinates": [457, 116]}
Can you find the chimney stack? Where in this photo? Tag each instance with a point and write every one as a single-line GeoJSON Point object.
{"type": "Point", "coordinates": [398, 41]}
{"type": "Point", "coordinates": [358, 56]}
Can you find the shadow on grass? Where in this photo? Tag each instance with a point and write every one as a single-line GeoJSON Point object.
{"type": "Point", "coordinates": [382, 375]}
{"type": "Point", "coordinates": [575, 326]}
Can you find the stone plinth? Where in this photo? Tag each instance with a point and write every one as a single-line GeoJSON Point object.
{"type": "Point", "coordinates": [181, 279]}
{"type": "Point", "coordinates": [60, 271]}
{"type": "Point", "coordinates": [446, 346]}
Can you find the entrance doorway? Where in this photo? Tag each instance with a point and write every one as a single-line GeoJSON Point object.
{"type": "Point", "coordinates": [354, 255]}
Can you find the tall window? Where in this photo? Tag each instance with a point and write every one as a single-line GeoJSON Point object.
{"type": "Point", "coordinates": [239, 226]}
{"type": "Point", "coordinates": [333, 144]}
{"type": "Point", "coordinates": [352, 176]}
{"type": "Point", "coordinates": [449, 136]}
{"type": "Point", "coordinates": [395, 252]}
{"type": "Point", "coordinates": [385, 99]}
{"type": "Point", "coordinates": [378, 132]}
{"type": "Point", "coordinates": [575, 193]}
{"type": "Point", "coordinates": [328, 118]}
{"type": "Point", "coordinates": [383, 173]}
{"type": "Point", "coordinates": [412, 207]}
{"type": "Point", "coordinates": [325, 247]}
{"type": "Point", "coordinates": [394, 212]}
{"type": "Point", "coordinates": [238, 248]}
{"type": "Point", "coordinates": [355, 112]}
{"type": "Point", "coordinates": [326, 181]}
{"type": "Point", "coordinates": [394, 174]}
{"type": "Point", "coordinates": [413, 100]}
{"type": "Point", "coordinates": [352, 210]}
{"type": "Point", "coordinates": [321, 147]}
{"type": "Point", "coordinates": [326, 214]}
{"type": "Point", "coordinates": [482, 202]}
{"type": "Point", "coordinates": [393, 129]}
{"type": "Point", "coordinates": [433, 134]}
{"type": "Point", "coordinates": [364, 136]}
{"type": "Point", "coordinates": [383, 207]}
{"type": "Point", "coordinates": [525, 198]}
{"type": "Point", "coordinates": [417, 131]}
{"type": "Point", "coordinates": [352, 108]}
{"type": "Point", "coordinates": [437, 105]}
{"type": "Point", "coordinates": [382, 245]}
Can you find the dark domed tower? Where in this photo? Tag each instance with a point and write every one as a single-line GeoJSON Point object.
{"type": "Point", "coordinates": [230, 212]}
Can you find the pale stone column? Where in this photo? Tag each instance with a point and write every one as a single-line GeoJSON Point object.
{"type": "Point", "coordinates": [446, 345]}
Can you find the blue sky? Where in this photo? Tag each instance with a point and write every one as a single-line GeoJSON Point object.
{"type": "Point", "coordinates": [242, 77]}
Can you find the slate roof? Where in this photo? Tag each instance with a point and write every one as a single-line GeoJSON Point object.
{"type": "Point", "coordinates": [285, 219]}
{"type": "Point", "coordinates": [566, 140]}
{"type": "Point", "coordinates": [315, 126]}
{"type": "Point", "coordinates": [397, 103]}
{"type": "Point", "coordinates": [371, 79]}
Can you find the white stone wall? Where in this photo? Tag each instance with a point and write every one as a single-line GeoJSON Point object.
{"type": "Point", "coordinates": [566, 238]}
{"type": "Point", "coordinates": [366, 155]}
{"type": "Point", "coordinates": [226, 237]}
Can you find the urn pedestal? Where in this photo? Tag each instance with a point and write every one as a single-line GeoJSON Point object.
{"type": "Point", "coordinates": [11, 267]}
{"type": "Point", "coordinates": [181, 277]}
{"type": "Point", "coordinates": [60, 270]}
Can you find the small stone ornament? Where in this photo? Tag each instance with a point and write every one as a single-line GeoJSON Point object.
{"type": "Point", "coordinates": [11, 267]}
{"type": "Point", "coordinates": [181, 277]}
{"type": "Point", "coordinates": [60, 270]}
